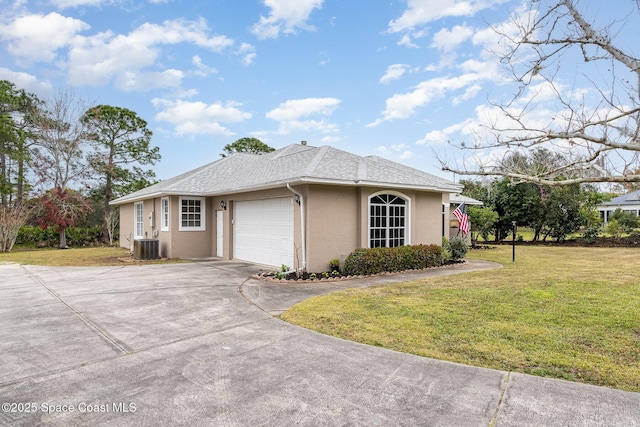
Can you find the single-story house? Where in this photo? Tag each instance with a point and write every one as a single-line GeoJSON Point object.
{"type": "Point", "coordinates": [299, 206]}
{"type": "Point", "coordinates": [629, 202]}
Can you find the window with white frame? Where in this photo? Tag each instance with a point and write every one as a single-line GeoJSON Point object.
{"type": "Point", "coordinates": [164, 214]}
{"type": "Point", "coordinates": [192, 214]}
{"type": "Point", "coordinates": [138, 220]}
{"type": "Point", "coordinates": [387, 220]}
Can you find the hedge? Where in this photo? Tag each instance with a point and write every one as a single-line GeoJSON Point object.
{"type": "Point", "coordinates": [378, 260]}
{"type": "Point", "coordinates": [49, 237]}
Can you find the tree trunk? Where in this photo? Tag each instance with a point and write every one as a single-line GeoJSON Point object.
{"type": "Point", "coordinates": [63, 239]}
{"type": "Point", "coordinates": [20, 186]}
{"type": "Point", "coordinates": [108, 195]}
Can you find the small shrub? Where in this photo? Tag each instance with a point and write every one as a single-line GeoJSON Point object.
{"type": "Point", "coordinates": [378, 260]}
{"type": "Point", "coordinates": [457, 247]}
{"type": "Point", "coordinates": [334, 264]}
{"type": "Point", "coordinates": [613, 228]}
{"type": "Point", "coordinates": [591, 233]}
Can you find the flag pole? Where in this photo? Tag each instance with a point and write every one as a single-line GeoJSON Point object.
{"type": "Point", "coordinates": [513, 242]}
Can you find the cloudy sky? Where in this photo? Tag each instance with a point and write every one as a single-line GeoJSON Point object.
{"type": "Point", "coordinates": [393, 78]}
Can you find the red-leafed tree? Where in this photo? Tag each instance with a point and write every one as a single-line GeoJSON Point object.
{"type": "Point", "coordinates": [61, 208]}
{"type": "Point", "coordinates": [60, 160]}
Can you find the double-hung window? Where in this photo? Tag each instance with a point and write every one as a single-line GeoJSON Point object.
{"type": "Point", "coordinates": [138, 220]}
{"type": "Point", "coordinates": [164, 214]}
{"type": "Point", "coordinates": [388, 220]}
{"type": "Point", "coordinates": [192, 214]}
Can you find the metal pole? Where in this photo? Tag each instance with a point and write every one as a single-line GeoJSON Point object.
{"type": "Point", "coordinates": [513, 242]}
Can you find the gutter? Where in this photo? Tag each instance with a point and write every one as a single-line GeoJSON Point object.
{"type": "Point", "coordinates": [303, 227]}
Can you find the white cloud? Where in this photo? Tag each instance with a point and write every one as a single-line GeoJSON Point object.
{"type": "Point", "coordinates": [203, 69]}
{"type": "Point", "coordinates": [285, 16]}
{"type": "Point", "coordinates": [105, 57]}
{"type": "Point", "coordinates": [447, 40]}
{"type": "Point", "coordinates": [293, 114]}
{"type": "Point", "coordinates": [131, 61]}
{"type": "Point", "coordinates": [398, 151]}
{"type": "Point", "coordinates": [27, 82]}
{"type": "Point", "coordinates": [394, 72]}
{"type": "Point", "coordinates": [37, 38]}
{"type": "Point", "coordinates": [420, 12]}
{"type": "Point", "coordinates": [296, 108]}
{"type": "Point", "coordinates": [63, 4]}
{"type": "Point", "coordinates": [403, 106]}
{"type": "Point", "coordinates": [144, 81]}
{"type": "Point", "coordinates": [247, 52]}
{"type": "Point", "coordinates": [198, 118]}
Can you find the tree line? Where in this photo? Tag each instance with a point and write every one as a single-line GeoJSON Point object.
{"type": "Point", "coordinates": [61, 158]}
{"type": "Point", "coordinates": [550, 211]}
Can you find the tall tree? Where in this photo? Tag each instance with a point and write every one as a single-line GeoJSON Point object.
{"type": "Point", "coordinates": [17, 108]}
{"type": "Point", "coordinates": [122, 142]}
{"type": "Point", "coordinates": [247, 145]}
{"type": "Point", "coordinates": [60, 157]}
{"type": "Point", "coordinates": [594, 118]}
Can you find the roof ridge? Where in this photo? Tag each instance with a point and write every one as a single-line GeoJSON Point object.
{"type": "Point", "coordinates": [288, 150]}
{"type": "Point", "coordinates": [313, 164]}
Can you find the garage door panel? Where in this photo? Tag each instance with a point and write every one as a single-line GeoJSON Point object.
{"type": "Point", "coordinates": [263, 231]}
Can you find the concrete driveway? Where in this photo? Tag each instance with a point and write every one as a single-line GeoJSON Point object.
{"type": "Point", "coordinates": [195, 344]}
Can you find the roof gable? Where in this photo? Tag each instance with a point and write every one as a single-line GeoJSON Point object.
{"type": "Point", "coordinates": [292, 164]}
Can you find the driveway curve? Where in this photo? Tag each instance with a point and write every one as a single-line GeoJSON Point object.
{"type": "Point", "coordinates": [195, 344]}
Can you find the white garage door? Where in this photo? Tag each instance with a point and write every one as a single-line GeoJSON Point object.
{"type": "Point", "coordinates": [263, 231]}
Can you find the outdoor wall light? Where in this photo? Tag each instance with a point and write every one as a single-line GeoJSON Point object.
{"type": "Point", "coordinates": [296, 198]}
{"type": "Point", "coordinates": [223, 205]}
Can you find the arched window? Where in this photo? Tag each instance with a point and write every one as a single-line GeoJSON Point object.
{"type": "Point", "coordinates": [388, 221]}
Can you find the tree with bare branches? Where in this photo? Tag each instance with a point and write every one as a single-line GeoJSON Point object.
{"type": "Point", "coordinates": [591, 119]}
{"type": "Point", "coordinates": [60, 160]}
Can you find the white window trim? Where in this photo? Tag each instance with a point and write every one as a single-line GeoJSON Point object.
{"type": "Point", "coordinates": [165, 217]}
{"type": "Point", "coordinates": [136, 235]}
{"type": "Point", "coordinates": [203, 214]}
{"type": "Point", "coordinates": [407, 215]}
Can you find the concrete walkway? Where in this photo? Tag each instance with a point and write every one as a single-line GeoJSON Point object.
{"type": "Point", "coordinates": [195, 344]}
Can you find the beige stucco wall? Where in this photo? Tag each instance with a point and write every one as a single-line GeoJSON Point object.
{"type": "Point", "coordinates": [187, 244]}
{"type": "Point", "coordinates": [332, 224]}
{"type": "Point", "coordinates": [427, 218]}
{"type": "Point", "coordinates": [126, 226]}
{"type": "Point", "coordinates": [336, 220]}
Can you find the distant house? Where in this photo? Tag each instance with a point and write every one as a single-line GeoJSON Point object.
{"type": "Point", "coordinates": [300, 206]}
{"type": "Point", "coordinates": [629, 202]}
{"type": "Point", "coordinates": [456, 200]}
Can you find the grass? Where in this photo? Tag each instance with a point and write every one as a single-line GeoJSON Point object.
{"type": "Point", "coordinates": [570, 313]}
{"type": "Point", "coordinates": [73, 257]}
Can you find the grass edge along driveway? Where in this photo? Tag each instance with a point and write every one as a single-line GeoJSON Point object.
{"type": "Point", "coordinates": [569, 313]}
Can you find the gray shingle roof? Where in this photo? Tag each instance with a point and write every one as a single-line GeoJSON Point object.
{"type": "Point", "coordinates": [458, 199]}
{"type": "Point", "coordinates": [632, 198]}
{"type": "Point", "coordinates": [292, 164]}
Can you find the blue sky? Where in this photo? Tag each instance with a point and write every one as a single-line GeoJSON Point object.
{"type": "Point", "coordinates": [389, 78]}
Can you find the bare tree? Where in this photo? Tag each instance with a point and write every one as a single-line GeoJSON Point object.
{"type": "Point", "coordinates": [59, 155]}
{"type": "Point", "coordinates": [60, 160]}
{"type": "Point", "coordinates": [592, 119]}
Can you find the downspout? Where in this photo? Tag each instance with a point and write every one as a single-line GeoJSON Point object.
{"type": "Point", "coordinates": [303, 227]}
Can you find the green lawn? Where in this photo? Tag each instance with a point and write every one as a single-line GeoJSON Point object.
{"type": "Point", "coordinates": [571, 313]}
{"type": "Point", "coordinates": [73, 257]}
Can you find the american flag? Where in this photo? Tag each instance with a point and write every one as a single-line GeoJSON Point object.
{"type": "Point", "coordinates": [463, 218]}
